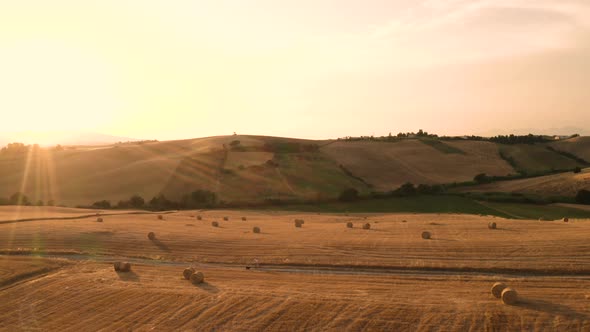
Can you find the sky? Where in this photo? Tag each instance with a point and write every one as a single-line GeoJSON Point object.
{"type": "Point", "coordinates": [151, 69]}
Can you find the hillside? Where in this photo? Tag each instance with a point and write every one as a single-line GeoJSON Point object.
{"type": "Point", "coordinates": [536, 158]}
{"type": "Point", "coordinates": [562, 184]}
{"type": "Point", "coordinates": [387, 165]}
{"type": "Point", "coordinates": [578, 146]}
{"type": "Point", "coordinates": [258, 168]}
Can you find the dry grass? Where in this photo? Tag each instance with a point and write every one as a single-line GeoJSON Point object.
{"type": "Point", "coordinates": [562, 184]}
{"type": "Point", "coordinates": [389, 165]}
{"type": "Point", "coordinates": [236, 299]}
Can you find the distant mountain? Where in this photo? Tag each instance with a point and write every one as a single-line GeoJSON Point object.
{"type": "Point", "coordinates": [562, 131]}
{"type": "Point", "coordinates": [50, 138]}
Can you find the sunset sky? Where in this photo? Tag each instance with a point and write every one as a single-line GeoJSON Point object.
{"type": "Point", "coordinates": [305, 68]}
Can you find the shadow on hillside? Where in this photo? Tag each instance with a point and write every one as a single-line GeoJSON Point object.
{"type": "Point", "coordinates": [161, 245]}
{"type": "Point", "coordinates": [208, 287]}
{"type": "Point", "coordinates": [550, 308]}
{"type": "Point", "coordinates": [128, 276]}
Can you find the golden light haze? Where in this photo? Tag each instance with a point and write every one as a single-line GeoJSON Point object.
{"type": "Point", "coordinates": [315, 69]}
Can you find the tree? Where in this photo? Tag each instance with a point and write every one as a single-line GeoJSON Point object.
{"type": "Point", "coordinates": [482, 178]}
{"type": "Point", "coordinates": [406, 189]}
{"type": "Point", "coordinates": [348, 195]}
{"type": "Point", "coordinates": [136, 201]}
{"type": "Point", "coordinates": [19, 198]}
{"type": "Point", "coordinates": [583, 197]}
{"type": "Point", "coordinates": [104, 204]}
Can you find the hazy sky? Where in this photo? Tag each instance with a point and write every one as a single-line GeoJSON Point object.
{"type": "Point", "coordinates": [305, 68]}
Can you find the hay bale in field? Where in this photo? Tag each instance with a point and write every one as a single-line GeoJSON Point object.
{"type": "Point", "coordinates": [509, 296]}
{"type": "Point", "coordinates": [256, 229]}
{"type": "Point", "coordinates": [188, 272]}
{"type": "Point", "coordinates": [492, 225]}
{"type": "Point", "coordinates": [199, 218]}
{"type": "Point", "coordinates": [160, 217]}
{"type": "Point", "coordinates": [404, 220]}
{"type": "Point", "coordinates": [298, 223]}
{"type": "Point", "coordinates": [497, 289]}
{"type": "Point", "coordinates": [117, 266]}
{"type": "Point", "coordinates": [566, 219]}
{"type": "Point", "coordinates": [98, 219]}
{"type": "Point", "coordinates": [125, 267]}
{"type": "Point", "coordinates": [197, 278]}
{"type": "Point", "coordinates": [151, 236]}
{"type": "Point", "coordinates": [349, 224]}
{"type": "Point", "coordinates": [243, 218]}
{"type": "Point", "coordinates": [215, 224]}
{"type": "Point", "coordinates": [426, 235]}
{"type": "Point", "coordinates": [226, 218]}
{"type": "Point", "coordinates": [367, 226]}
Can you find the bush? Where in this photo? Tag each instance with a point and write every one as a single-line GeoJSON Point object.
{"type": "Point", "coordinates": [583, 197]}
{"type": "Point", "coordinates": [136, 201]}
{"type": "Point", "coordinates": [19, 199]}
{"type": "Point", "coordinates": [348, 195]}
{"type": "Point", "coordinates": [104, 204]}
{"type": "Point", "coordinates": [482, 178]}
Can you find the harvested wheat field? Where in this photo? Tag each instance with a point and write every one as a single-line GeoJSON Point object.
{"type": "Point", "coordinates": [565, 184]}
{"type": "Point", "coordinates": [320, 277]}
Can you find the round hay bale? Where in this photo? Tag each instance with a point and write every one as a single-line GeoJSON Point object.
{"type": "Point", "coordinates": [215, 224]}
{"type": "Point", "coordinates": [117, 266]}
{"type": "Point", "coordinates": [160, 217]}
{"type": "Point", "coordinates": [566, 219]}
{"type": "Point", "coordinates": [152, 236]}
{"type": "Point", "coordinates": [98, 219]}
{"type": "Point", "coordinates": [226, 218]}
{"type": "Point", "coordinates": [349, 224]}
{"type": "Point", "coordinates": [256, 229]}
{"type": "Point", "coordinates": [492, 225]}
{"type": "Point", "coordinates": [298, 223]}
{"type": "Point", "coordinates": [426, 235]}
{"type": "Point", "coordinates": [367, 226]}
{"type": "Point", "coordinates": [243, 218]}
{"type": "Point", "coordinates": [404, 221]}
{"type": "Point", "coordinates": [199, 218]}
{"type": "Point", "coordinates": [125, 267]}
{"type": "Point", "coordinates": [497, 289]}
{"type": "Point", "coordinates": [188, 272]}
{"type": "Point", "coordinates": [197, 277]}
{"type": "Point", "coordinates": [509, 296]}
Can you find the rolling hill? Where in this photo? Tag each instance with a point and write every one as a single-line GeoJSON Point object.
{"type": "Point", "coordinates": [258, 168]}
{"type": "Point", "coordinates": [561, 184]}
